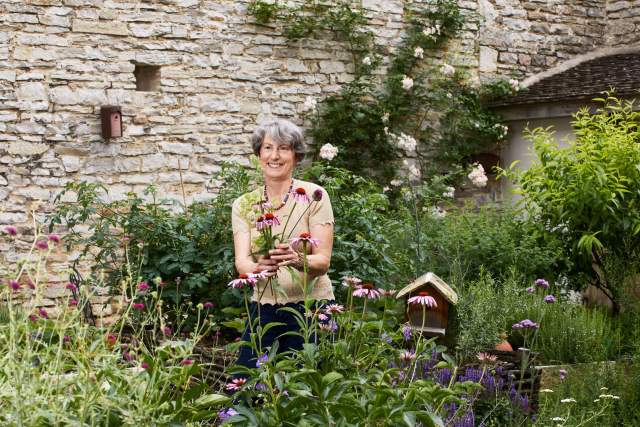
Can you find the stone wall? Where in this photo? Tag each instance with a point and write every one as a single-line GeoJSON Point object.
{"type": "Point", "coordinates": [61, 60]}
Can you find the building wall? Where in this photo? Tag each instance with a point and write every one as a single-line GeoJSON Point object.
{"type": "Point", "coordinates": [61, 60]}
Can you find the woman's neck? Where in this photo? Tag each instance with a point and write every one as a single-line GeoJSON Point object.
{"type": "Point", "coordinates": [276, 189]}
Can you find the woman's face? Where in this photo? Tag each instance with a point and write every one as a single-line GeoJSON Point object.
{"type": "Point", "coordinates": [277, 160]}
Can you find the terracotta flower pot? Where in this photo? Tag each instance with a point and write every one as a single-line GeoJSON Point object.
{"type": "Point", "coordinates": [504, 344]}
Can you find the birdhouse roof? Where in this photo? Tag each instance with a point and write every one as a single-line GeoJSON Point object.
{"type": "Point", "coordinates": [430, 279]}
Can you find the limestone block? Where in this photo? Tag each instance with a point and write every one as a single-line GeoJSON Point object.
{"type": "Point", "coordinates": [32, 92]}
{"type": "Point", "coordinates": [100, 27]}
{"type": "Point", "coordinates": [127, 164]}
{"type": "Point", "coordinates": [153, 162]}
{"type": "Point", "coordinates": [4, 194]}
{"type": "Point", "coordinates": [55, 20]}
{"type": "Point", "coordinates": [71, 163]}
{"type": "Point", "coordinates": [176, 148]}
{"type": "Point", "coordinates": [296, 66]}
{"type": "Point", "coordinates": [29, 127]}
{"type": "Point", "coordinates": [20, 18]}
{"type": "Point", "coordinates": [34, 193]}
{"type": "Point", "coordinates": [138, 179]}
{"type": "Point", "coordinates": [3, 181]}
{"type": "Point", "coordinates": [38, 40]}
{"type": "Point", "coordinates": [30, 76]}
{"type": "Point", "coordinates": [488, 59]}
{"type": "Point", "coordinates": [9, 75]}
{"type": "Point", "coordinates": [22, 148]}
{"type": "Point", "coordinates": [27, 53]}
{"type": "Point", "coordinates": [62, 11]}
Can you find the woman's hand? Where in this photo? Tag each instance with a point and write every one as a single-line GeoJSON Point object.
{"type": "Point", "coordinates": [284, 255]}
{"type": "Point", "coordinates": [267, 265]}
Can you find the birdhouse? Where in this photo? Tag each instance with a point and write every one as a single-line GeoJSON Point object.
{"type": "Point", "coordinates": [437, 318]}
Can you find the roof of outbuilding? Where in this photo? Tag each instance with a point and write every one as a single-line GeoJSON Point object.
{"type": "Point", "coordinates": [585, 81]}
{"type": "Point", "coordinates": [433, 280]}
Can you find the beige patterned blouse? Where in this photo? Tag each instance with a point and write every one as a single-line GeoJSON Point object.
{"type": "Point", "coordinates": [244, 215]}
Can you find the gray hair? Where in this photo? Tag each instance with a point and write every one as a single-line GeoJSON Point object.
{"type": "Point", "coordinates": [281, 131]}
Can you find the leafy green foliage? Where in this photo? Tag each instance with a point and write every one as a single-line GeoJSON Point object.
{"type": "Point", "coordinates": [191, 251]}
{"type": "Point", "coordinates": [443, 113]}
{"type": "Point", "coordinates": [469, 240]}
{"type": "Point", "coordinates": [587, 193]}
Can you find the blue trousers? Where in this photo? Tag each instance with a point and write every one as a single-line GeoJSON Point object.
{"type": "Point", "coordinates": [272, 313]}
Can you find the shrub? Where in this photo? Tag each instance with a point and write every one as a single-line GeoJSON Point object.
{"type": "Point", "coordinates": [493, 238]}
{"type": "Point", "coordinates": [188, 248]}
{"type": "Point", "coordinates": [587, 194]}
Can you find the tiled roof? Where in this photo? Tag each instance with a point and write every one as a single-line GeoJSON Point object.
{"type": "Point", "coordinates": [584, 81]}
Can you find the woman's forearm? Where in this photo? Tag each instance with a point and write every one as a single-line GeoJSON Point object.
{"type": "Point", "coordinates": [317, 264]}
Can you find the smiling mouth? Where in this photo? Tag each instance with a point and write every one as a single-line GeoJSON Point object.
{"type": "Point", "coordinates": [274, 165]}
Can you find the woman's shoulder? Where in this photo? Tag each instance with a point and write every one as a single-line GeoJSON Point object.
{"type": "Point", "coordinates": [251, 197]}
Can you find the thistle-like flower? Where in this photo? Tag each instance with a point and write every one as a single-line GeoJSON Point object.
{"type": "Point", "coordinates": [138, 306]}
{"type": "Point", "coordinates": [14, 285]}
{"type": "Point", "coordinates": [407, 356]}
{"type": "Point", "coordinates": [42, 244]}
{"type": "Point", "coordinates": [304, 239]}
{"type": "Point", "coordinates": [235, 384]}
{"type": "Point", "coordinates": [10, 230]}
{"type": "Point", "coordinates": [300, 195]}
{"type": "Point", "coordinates": [542, 283]}
{"type": "Point", "coordinates": [334, 309]}
{"type": "Point", "coordinates": [350, 281]}
{"type": "Point", "coordinates": [549, 299]}
{"type": "Point", "coordinates": [242, 281]}
{"type": "Point", "coordinates": [424, 299]}
{"type": "Point", "coordinates": [525, 324]}
{"type": "Point", "coordinates": [53, 238]}
{"type": "Point", "coordinates": [143, 286]}
{"type": "Point", "coordinates": [366, 290]}
{"type": "Point", "coordinates": [186, 362]}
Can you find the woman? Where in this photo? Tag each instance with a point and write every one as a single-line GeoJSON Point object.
{"type": "Point", "coordinates": [279, 146]}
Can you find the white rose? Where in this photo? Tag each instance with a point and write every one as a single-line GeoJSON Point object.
{"type": "Point", "coordinates": [396, 183]}
{"type": "Point", "coordinates": [328, 152]}
{"type": "Point", "coordinates": [477, 176]}
{"type": "Point", "coordinates": [309, 104]}
{"type": "Point", "coordinates": [438, 212]}
{"type": "Point", "coordinates": [515, 85]}
{"type": "Point", "coordinates": [407, 142]}
{"type": "Point", "coordinates": [366, 61]}
{"type": "Point", "coordinates": [447, 70]}
{"type": "Point", "coordinates": [418, 52]}
{"type": "Point", "coordinates": [414, 171]}
{"type": "Point", "coordinates": [449, 192]}
{"type": "Point", "coordinates": [407, 82]}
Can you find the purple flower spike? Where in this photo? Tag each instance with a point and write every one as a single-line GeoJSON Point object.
{"type": "Point", "coordinates": [563, 374]}
{"type": "Point", "coordinates": [262, 360]}
{"type": "Point", "coordinates": [549, 299]}
{"type": "Point", "coordinates": [542, 283]}
{"type": "Point", "coordinates": [10, 230]}
{"type": "Point", "coordinates": [225, 414]}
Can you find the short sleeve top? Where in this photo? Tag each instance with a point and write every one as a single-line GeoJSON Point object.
{"type": "Point", "coordinates": [298, 217]}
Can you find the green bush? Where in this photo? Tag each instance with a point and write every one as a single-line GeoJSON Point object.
{"type": "Point", "coordinates": [189, 248]}
{"type": "Point", "coordinates": [493, 238]}
{"type": "Point", "coordinates": [606, 395]}
{"type": "Point", "coordinates": [587, 194]}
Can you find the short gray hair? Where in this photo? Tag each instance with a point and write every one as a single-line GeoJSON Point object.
{"type": "Point", "coordinates": [281, 131]}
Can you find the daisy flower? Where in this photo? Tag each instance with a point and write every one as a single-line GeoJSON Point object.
{"type": "Point", "coordinates": [407, 356]}
{"type": "Point", "coordinates": [242, 281]}
{"type": "Point", "coordinates": [300, 195]}
{"type": "Point", "coordinates": [304, 239]}
{"type": "Point", "coordinates": [334, 309]}
{"type": "Point", "coordinates": [367, 290]}
{"type": "Point", "coordinates": [423, 298]}
{"type": "Point", "coordinates": [235, 384]}
{"type": "Point", "coordinates": [350, 281]}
